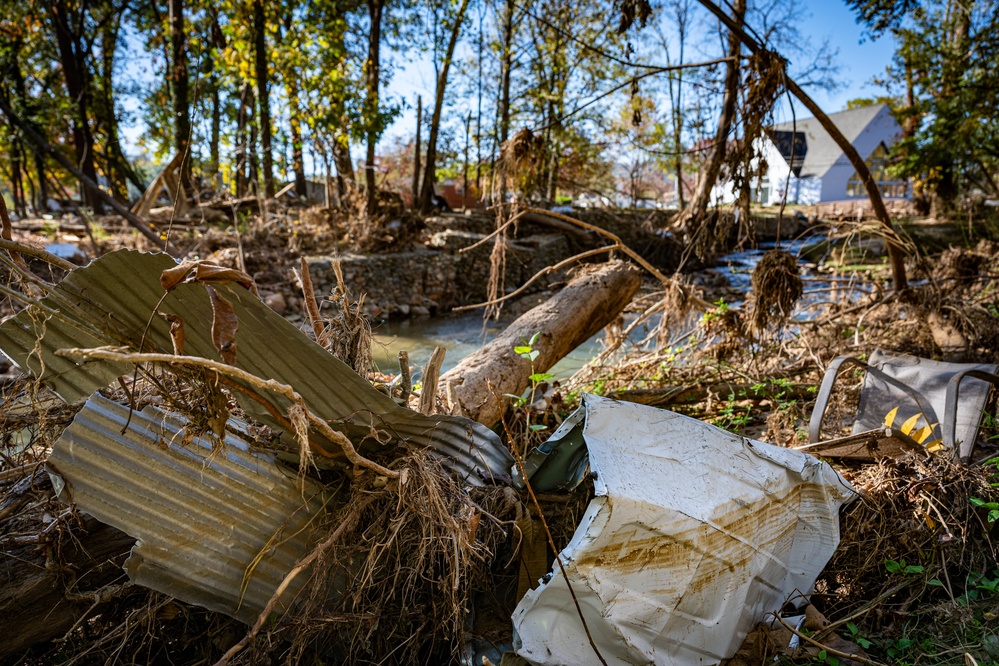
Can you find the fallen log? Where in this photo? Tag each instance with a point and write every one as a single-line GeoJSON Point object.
{"type": "Point", "coordinates": [477, 386]}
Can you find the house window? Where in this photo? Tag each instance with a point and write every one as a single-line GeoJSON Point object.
{"type": "Point", "coordinates": [877, 164]}
{"type": "Point", "coordinates": [761, 194]}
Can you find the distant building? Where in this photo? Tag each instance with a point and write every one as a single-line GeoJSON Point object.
{"type": "Point", "coordinates": [819, 170]}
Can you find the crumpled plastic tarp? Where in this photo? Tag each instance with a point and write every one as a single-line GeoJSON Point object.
{"type": "Point", "coordinates": [694, 536]}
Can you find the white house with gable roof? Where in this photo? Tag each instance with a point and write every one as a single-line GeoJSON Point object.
{"type": "Point", "coordinates": [803, 157]}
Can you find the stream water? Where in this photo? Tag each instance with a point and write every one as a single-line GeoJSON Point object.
{"type": "Point", "coordinates": [461, 334]}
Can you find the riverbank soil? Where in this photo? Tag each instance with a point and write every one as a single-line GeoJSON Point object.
{"type": "Point", "coordinates": [423, 570]}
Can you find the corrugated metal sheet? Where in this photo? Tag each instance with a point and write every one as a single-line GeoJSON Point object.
{"type": "Point", "coordinates": [112, 301]}
{"type": "Point", "coordinates": [201, 517]}
{"type": "Point", "coordinates": [694, 535]}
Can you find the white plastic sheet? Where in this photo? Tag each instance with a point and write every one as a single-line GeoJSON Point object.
{"type": "Point", "coordinates": [694, 535]}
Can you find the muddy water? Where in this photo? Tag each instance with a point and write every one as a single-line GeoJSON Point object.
{"type": "Point", "coordinates": [462, 334]}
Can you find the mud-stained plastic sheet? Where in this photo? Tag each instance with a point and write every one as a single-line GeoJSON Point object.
{"type": "Point", "coordinates": [694, 536]}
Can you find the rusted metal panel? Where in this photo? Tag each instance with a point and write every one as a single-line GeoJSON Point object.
{"type": "Point", "coordinates": [217, 527]}
{"type": "Point", "coordinates": [694, 536]}
{"type": "Point", "coordinates": [118, 300]}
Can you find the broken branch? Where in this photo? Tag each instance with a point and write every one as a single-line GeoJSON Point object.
{"type": "Point", "coordinates": [832, 651]}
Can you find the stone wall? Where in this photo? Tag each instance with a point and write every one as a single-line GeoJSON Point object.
{"type": "Point", "coordinates": [434, 279]}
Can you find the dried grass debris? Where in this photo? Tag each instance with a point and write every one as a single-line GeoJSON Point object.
{"type": "Point", "coordinates": [395, 586]}
{"type": "Point", "coordinates": [916, 512]}
{"type": "Point", "coordinates": [777, 286]}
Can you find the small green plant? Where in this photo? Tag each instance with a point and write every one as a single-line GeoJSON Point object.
{"type": "Point", "coordinates": [901, 567]}
{"type": "Point", "coordinates": [900, 647]}
{"type": "Point", "coordinates": [825, 658]}
{"type": "Point", "coordinates": [50, 229]}
{"type": "Point", "coordinates": [527, 351]}
{"type": "Point", "coordinates": [980, 586]}
{"type": "Point", "coordinates": [853, 635]}
{"type": "Point", "coordinates": [732, 417]}
{"type": "Point", "coordinates": [721, 307]}
{"type": "Point", "coordinates": [98, 232]}
{"type": "Point", "coordinates": [993, 507]}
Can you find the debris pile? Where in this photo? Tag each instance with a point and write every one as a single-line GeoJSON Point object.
{"type": "Point", "coordinates": [190, 475]}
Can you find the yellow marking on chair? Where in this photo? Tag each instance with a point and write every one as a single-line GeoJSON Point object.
{"type": "Point", "coordinates": [909, 424]}
{"type": "Point", "coordinates": [935, 445]}
{"type": "Point", "coordinates": [890, 417]}
{"type": "Point", "coordinates": [923, 433]}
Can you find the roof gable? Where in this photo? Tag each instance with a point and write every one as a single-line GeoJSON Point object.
{"type": "Point", "coordinates": [820, 151]}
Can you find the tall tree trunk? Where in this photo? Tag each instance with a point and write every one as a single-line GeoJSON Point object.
{"type": "Point", "coordinates": [478, 110]}
{"type": "Point", "coordinates": [216, 129]}
{"type": "Point", "coordinates": [372, 76]}
{"type": "Point", "coordinates": [40, 196]}
{"type": "Point", "coordinates": [180, 87]}
{"type": "Point", "coordinates": [71, 58]}
{"type": "Point", "coordinates": [253, 159]}
{"type": "Point", "coordinates": [346, 180]}
{"type": "Point", "coordinates": [16, 182]}
{"type": "Point", "coordinates": [698, 206]}
{"type": "Point", "coordinates": [464, 166]}
{"type": "Point", "coordinates": [506, 66]}
{"type": "Point", "coordinates": [260, 67]}
{"type": "Point", "coordinates": [676, 100]}
{"type": "Point", "coordinates": [242, 154]}
{"type": "Point", "coordinates": [429, 170]}
{"type": "Point", "coordinates": [297, 147]}
{"type": "Point", "coordinates": [120, 170]}
{"type": "Point", "coordinates": [416, 152]}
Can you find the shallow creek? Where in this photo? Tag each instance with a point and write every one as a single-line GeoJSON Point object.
{"type": "Point", "coordinates": [461, 334]}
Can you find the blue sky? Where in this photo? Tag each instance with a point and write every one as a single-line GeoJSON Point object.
{"type": "Point", "coordinates": [861, 58]}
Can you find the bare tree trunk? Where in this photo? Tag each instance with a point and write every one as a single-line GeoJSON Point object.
{"type": "Point", "coordinates": [297, 152]}
{"type": "Point", "coordinates": [180, 87]}
{"type": "Point", "coordinates": [416, 152]}
{"type": "Point", "coordinates": [346, 180]}
{"type": "Point", "coordinates": [464, 166]}
{"type": "Point", "coordinates": [216, 129]}
{"type": "Point", "coordinates": [429, 171]}
{"type": "Point", "coordinates": [695, 211]}
{"type": "Point", "coordinates": [253, 173]}
{"type": "Point", "coordinates": [40, 197]}
{"type": "Point", "coordinates": [895, 255]}
{"type": "Point", "coordinates": [506, 65]}
{"type": "Point", "coordinates": [71, 56]}
{"type": "Point", "coordinates": [372, 78]}
{"type": "Point", "coordinates": [676, 100]}
{"type": "Point", "coordinates": [241, 133]}
{"type": "Point", "coordinates": [16, 181]}
{"type": "Point", "coordinates": [260, 67]}
{"type": "Point", "coordinates": [478, 110]}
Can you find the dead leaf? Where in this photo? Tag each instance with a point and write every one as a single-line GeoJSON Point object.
{"type": "Point", "coordinates": [224, 326]}
{"type": "Point", "coordinates": [176, 332]}
{"type": "Point", "coordinates": [814, 620]}
{"type": "Point", "coordinates": [205, 273]}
